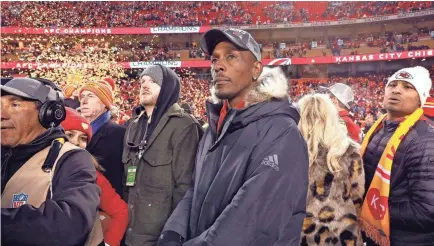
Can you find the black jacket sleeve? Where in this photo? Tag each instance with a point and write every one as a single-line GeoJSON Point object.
{"type": "Point", "coordinates": [179, 219]}
{"type": "Point", "coordinates": [68, 217]}
{"type": "Point", "coordinates": [417, 213]}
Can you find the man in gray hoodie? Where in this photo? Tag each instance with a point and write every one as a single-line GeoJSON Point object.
{"type": "Point", "coordinates": [160, 145]}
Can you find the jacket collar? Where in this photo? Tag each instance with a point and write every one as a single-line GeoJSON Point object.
{"type": "Point", "coordinates": [96, 137]}
{"type": "Point", "coordinates": [239, 118]}
{"type": "Point", "coordinates": [271, 84]}
{"type": "Point", "coordinates": [14, 158]}
{"type": "Point", "coordinates": [100, 121]}
{"type": "Point", "coordinates": [224, 112]}
{"type": "Point", "coordinates": [174, 111]}
{"type": "Point", "coordinates": [344, 113]}
{"type": "Point", "coordinates": [39, 143]}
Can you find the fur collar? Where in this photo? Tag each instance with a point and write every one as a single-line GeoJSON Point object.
{"type": "Point", "coordinates": [271, 84]}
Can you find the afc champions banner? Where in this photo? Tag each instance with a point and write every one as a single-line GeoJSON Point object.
{"type": "Point", "coordinates": [106, 31]}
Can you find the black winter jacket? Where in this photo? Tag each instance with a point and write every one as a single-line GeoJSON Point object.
{"type": "Point", "coordinates": [250, 181]}
{"type": "Point", "coordinates": [411, 199]}
{"type": "Point", "coordinates": [69, 216]}
{"type": "Point", "coordinates": [107, 146]}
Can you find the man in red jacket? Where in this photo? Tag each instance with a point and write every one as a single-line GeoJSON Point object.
{"type": "Point", "coordinates": [342, 95]}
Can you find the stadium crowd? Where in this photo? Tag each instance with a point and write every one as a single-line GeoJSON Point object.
{"type": "Point", "coordinates": [368, 90]}
{"type": "Point", "coordinates": [194, 92]}
{"type": "Point", "coordinates": [346, 10]}
{"type": "Point", "coordinates": [33, 49]}
{"type": "Point", "coordinates": [390, 42]}
{"type": "Point", "coordinates": [149, 14]}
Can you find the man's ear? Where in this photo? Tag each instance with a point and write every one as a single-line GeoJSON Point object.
{"type": "Point", "coordinates": [257, 70]}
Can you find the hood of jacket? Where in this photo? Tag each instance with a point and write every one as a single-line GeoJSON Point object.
{"type": "Point", "coordinates": [272, 84]}
{"type": "Point", "coordinates": [268, 98]}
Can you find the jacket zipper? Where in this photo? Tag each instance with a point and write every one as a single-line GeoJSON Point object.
{"type": "Point", "coordinates": [5, 166]}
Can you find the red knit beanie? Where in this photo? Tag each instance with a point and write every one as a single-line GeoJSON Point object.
{"type": "Point", "coordinates": [74, 121]}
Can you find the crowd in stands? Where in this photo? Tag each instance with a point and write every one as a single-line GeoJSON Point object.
{"type": "Point", "coordinates": [56, 50]}
{"type": "Point", "coordinates": [149, 14]}
{"type": "Point", "coordinates": [194, 92]}
{"type": "Point", "coordinates": [347, 10]}
{"type": "Point", "coordinates": [99, 14]}
{"type": "Point", "coordinates": [286, 12]}
{"type": "Point", "coordinates": [32, 50]}
{"type": "Point", "coordinates": [390, 42]}
{"type": "Point", "coordinates": [387, 43]}
{"type": "Point", "coordinates": [368, 91]}
{"type": "Point", "coordinates": [232, 13]}
{"type": "Point", "coordinates": [154, 54]}
{"type": "Point", "coordinates": [196, 52]}
{"type": "Point", "coordinates": [418, 47]}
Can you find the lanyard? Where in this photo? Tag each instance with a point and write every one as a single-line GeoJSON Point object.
{"type": "Point", "coordinates": [141, 146]}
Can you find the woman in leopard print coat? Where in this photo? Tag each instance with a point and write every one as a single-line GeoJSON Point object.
{"type": "Point", "coordinates": [336, 176]}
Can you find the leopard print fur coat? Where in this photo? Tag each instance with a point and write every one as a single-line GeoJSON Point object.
{"type": "Point", "coordinates": [334, 202]}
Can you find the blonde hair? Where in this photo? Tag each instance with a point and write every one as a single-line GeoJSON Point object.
{"type": "Point", "coordinates": [323, 130]}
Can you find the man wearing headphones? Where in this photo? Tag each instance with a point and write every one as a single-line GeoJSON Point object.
{"type": "Point", "coordinates": [49, 194]}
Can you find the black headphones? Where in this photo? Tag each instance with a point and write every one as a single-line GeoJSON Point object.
{"type": "Point", "coordinates": [52, 111]}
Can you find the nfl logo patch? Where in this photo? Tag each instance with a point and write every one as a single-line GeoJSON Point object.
{"type": "Point", "coordinates": [19, 200]}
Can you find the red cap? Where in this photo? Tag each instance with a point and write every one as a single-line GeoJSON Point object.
{"type": "Point", "coordinates": [74, 121]}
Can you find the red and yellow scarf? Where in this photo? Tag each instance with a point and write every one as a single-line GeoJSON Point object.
{"type": "Point", "coordinates": [375, 217]}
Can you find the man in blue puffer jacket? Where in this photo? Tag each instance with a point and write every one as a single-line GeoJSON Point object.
{"type": "Point", "coordinates": [251, 172]}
